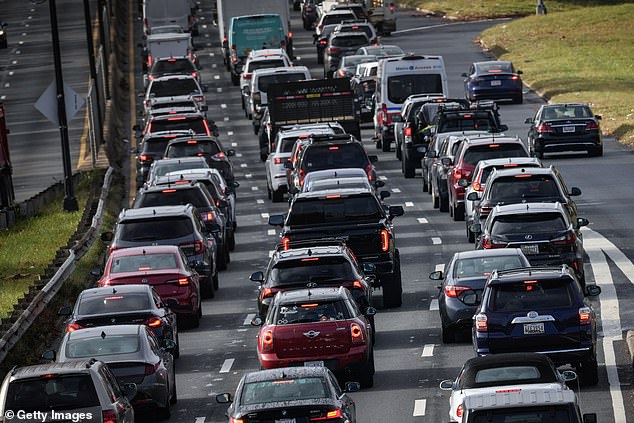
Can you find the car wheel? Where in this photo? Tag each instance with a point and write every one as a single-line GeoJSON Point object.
{"type": "Point", "coordinates": [256, 129]}
{"type": "Point", "coordinates": [242, 104]}
{"type": "Point", "coordinates": [320, 59]}
{"type": "Point", "coordinates": [425, 183]}
{"type": "Point", "coordinates": [194, 319]}
{"type": "Point", "coordinates": [207, 288]}
{"type": "Point", "coordinates": [519, 99]}
{"type": "Point", "coordinates": [443, 202]}
{"type": "Point", "coordinates": [366, 375]}
{"type": "Point", "coordinates": [235, 79]}
{"type": "Point", "coordinates": [393, 289]}
{"type": "Point", "coordinates": [215, 281]}
{"type": "Point", "coordinates": [398, 151]}
{"type": "Point", "coordinates": [222, 257]}
{"type": "Point", "coordinates": [231, 239]}
{"type": "Point", "coordinates": [435, 201]}
{"type": "Point", "coordinates": [470, 235]}
{"type": "Point", "coordinates": [447, 334]}
{"type": "Point", "coordinates": [177, 350]}
{"type": "Point", "coordinates": [385, 146]}
{"type": "Point", "coordinates": [377, 142]}
{"type": "Point", "coordinates": [589, 372]}
{"type": "Point", "coordinates": [165, 412]}
{"type": "Point", "coordinates": [174, 398]}
{"type": "Point", "coordinates": [409, 169]}
{"type": "Point", "coordinates": [457, 212]}
{"type": "Point", "coordinates": [268, 191]}
{"type": "Point", "coordinates": [277, 196]}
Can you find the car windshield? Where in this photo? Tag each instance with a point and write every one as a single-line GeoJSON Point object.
{"type": "Point", "coordinates": [528, 224]}
{"type": "Point", "coordinates": [335, 210]}
{"type": "Point", "coordinates": [155, 146]}
{"type": "Point", "coordinates": [483, 266]}
{"type": "Point", "coordinates": [173, 197]}
{"type": "Point", "coordinates": [155, 229]}
{"type": "Point", "coordinates": [349, 41]}
{"type": "Point", "coordinates": [114, 302]}
{"type": "Point", "coordinates": [144, 263]}
{"type": "Point", "coordinates": [192, 148]}
{"type": "Point", "coordinates": [511, 374]}
{"type": "Point", "coordinates": [321, 157]}
{"type": "Point", "coordinates": [173, 66]}
{"type": "Point", "coordinates": [173, 87]}
{"type": "Point", "coordinates": [265, 81]}
{"type": "Point", "coordinates": [196, 124]}
{"type": "Point", "coordinates": [312, 269]}
{"type": "Point", "coordinates": [287, 389]}
{"type": "Point", "coordinates": [548, 414]}
{"type": "Point", "coordinates": [400, 87]}
{"type": "Point", "coordinates": [162, 168]}
{"type": "Point", "coordinates": [475, 153]}
{"type": "Point", "coordinates": [567, 112]}
{"type": "Point", "coordinates": [102, 345]}
{"type": "Point", "coordinates": [514, 189]}
{"type": "Point", "coordinates": [53, 392]}
{"type": "Point", "coordinates": [265, 64]}
{"type": "Point", "coordinates": [536, 295]}
{"type": "Point", "coordinates": [311, 312]}
{"type": "Point", "coordinates": [494, 67]}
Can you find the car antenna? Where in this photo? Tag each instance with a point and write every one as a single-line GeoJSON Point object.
{"type": "Point", "coordinates": [310, 252]}
{"type": "Point", "coordinates": [114, 290]}
{"type": "Point", "coordinates": [103, 335]}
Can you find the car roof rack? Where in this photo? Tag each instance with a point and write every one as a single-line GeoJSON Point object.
{"type": "Point", "coordinates": [564, 269]}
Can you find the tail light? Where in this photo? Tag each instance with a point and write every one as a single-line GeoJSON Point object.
{"type": "Point", "coordinates": [146, 157]}
{"type": "Point", "coordinates": [109, 416]}
{"type": "Point", "coordinates": [592, 125]}
{"type": "Point", "coordinates": [279, 160]}
{"type": "Point", "coordinates": [544, 128]}
{"type": "Point", "coordinates": [302, 175]}
{"type": "Point", "coordinates": [153, 322]}
{"type": "Point", "coordinates": [481, 323]}
{"type": "Point", "coordinates": [407, 131]}
{"type": "Point", "coordinates": [199, 246]}
{"type": "Point", "coordinates": [357, 334]}
{"type": "Point", "coordinates": [384, 117]}
{"type": "Point", "coordinates": [368, 171]}
{"type": "Point", "coordinates": [357, 285]}
{"type": "Point", "coordinates": [269, 292]}
{"type": "Point", "coordinates": [477, 186]}
{"type": "Point", "coordinates": [487, 242]}
{"type": "Point", "coordinates": [515, 77]}
{"type": "Point", "coordinates": [183, 281]}
{"type": "Point", "coordinates": [385, 240]}
{"type": "Point", "coordinates": [232, 420]}
{"type": "Point", "coordinates": [453, 291]}
{"type": "Point", "coordinates": [484, 211]}
{"type": "Point", "coordinates": [208, 217]}
{"type": "Point", "coordinates": [149, 61]}
{"type": "Point", "coordinates": [457, 174]}
{"type": "Point", "coordinates": [342, 73]}
{"type": "Point", "coordinates": [333, 50]}
{"type": "Point", "coordinates": [334, 414]}
{"type": "Point", "coordinates": [147, 103]}
{"type": "Point", "coordinates": [246, 75]}
{"type": "Point", "coordinates": [150, 369]}
{"type": "Point", "coordinates": [267, 341]}
{"type": "Point", "coordinates": [199, 98]}
{"type": "Point", "coordinates": [72, 327]}
{"type": "Point", "coordinates": [585, 316]}
{"type": "Point", "coordinates": [323, 42]}
{"type": "Point", "coordinates": [151, 77]}
{"type": "Point", "coordinates": [568, 239]}
{"type": "Point", "coordinates": [219, 156]}
{"type": "Point", "coordinates": [286, 241]}
{"type": "Point", "coordinates": [391, 7]}
{"type": "Point", "coordinates": [459, 410]}
{"type": "Point", "coordinates": [290, 35]}
{"type": "Point", "coordinates": [194, 74]}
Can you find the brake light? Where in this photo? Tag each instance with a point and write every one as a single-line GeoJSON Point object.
{"type": "Point", "coordinates": [220, 156]}
{"type": "Point", "coordinates": [481, 322]}
{"type": "Point", "coordinates": [515, 77]}
{"type": "Point", "coordinates": [459, 410]}
{"type": "Point", "coordinates": [267, 341]}
{"type": "Point", "coordinates": [585, 316]}
{"type": "Point", "coordinates": [109, 416]}
{"type": "Point", "coordinates": [246, 75]}
{"type": "Point", "coordinates": [279, 160]}
{"type": "Point", "coordinates": [310, 259]}
{"type": "Point", "coordinates": [323, 42]}
{"type": "Point", "coordinates": [408, 131]}
{"type": "Point", "coordinates": [146, 157]}
{"type": "Point", "coordinates": [150, 369]}
{"type": "Point", "coordinates": [477, 186]}
{"type": "Point", "coordinates": [113, 249]}
{"type": "Point", "coordinates": [335, 414]}
{"type": "Point", "coordinates": [208, 216]}
{"type": "Point", "coordinates": [232, 420]}
{"type": "Point", "coordinates": [149, 61]}
{"type": "Point", "coordinates": [169, 190]}
{"type": "Point", "coordinates": [357, 284]}
{"type": "Point", "coordinates": [151, 77]}
{"type": "Point", "coordinates": [569, 238]}
{"type": "Point", "coordinates": [72, 327]}
{"type": "Point", "coordinates": [357, 334]}
{"type": "Point", "coordinates": [484, 211]}
{"type": "Point", "coordinates": [368, 171]}
{"type": "Point", "coordinates": [457, 174]}
{"type": "Point", "coordinates": [199, 98]}
{"type": "Point", "coordinates": [391, 7]}
{"type": "Point", "coordinates": [199, 246]}
{"type": "Point", "coordinates": [147, 103]}
{"type": "Point", "coordinates": [592, 125]}
{"type": "Point", "coordinates": [302, 175]}
{"type": "Point", "coordinates": [334, 147]}
{"type": "Point", "coordinates": [385, 240]}
{"type": "Point", "coordinates": [384, 116]}
{"type": "Point", "coordinates": [544, 128]}
{"type": "Point", "coordinates": [269, 292]}
{"type": "Point", "coordinates": [333, 50]}
{"type": "Point", "coordinates": [524, 175]}
{"type": "Point", "coordinates": [154, 322]}
{"type": "Point", "coordinates": [177, 118]}
{"type": "Point", "coordinates": [342, 73]}
{"type": "Point", "coordinates": [333, 196]}
{"type": "Point", "coordinates": [494, 145]}
{"type": "Point", "coordinates": [183, 281]}
{"type": "Point", "coordinates": [487, 242]}
{"type": "Point", "coordinates": [286, 241]}
{"type": "Point", "coordinates": [290, 35]}
{"type": "Point", "coordinates": [453, 291]}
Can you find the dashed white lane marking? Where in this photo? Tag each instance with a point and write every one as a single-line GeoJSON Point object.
{"type": "Point", "coordinates": [214, 65]}
{"type": "Point", "coordinates": [383, 178]}
{"type": "Point", "coordinates": [11, 73]}
{"type": "Point", "coordinates": [440, 267]}
{"type": "Point", "coordinates": [428, 350]}
{"type": "Point", "coordinates": [216, 76]}
{"type": "Point", "coordinates": [26, 25]}
{"type": "Point", "coordinates": [420, 406]}
{"type": "Point", "coordinates": [244, 165]}
{"type": "Point", "coordinates": [242, 330]}
{"type": "Point", "coordinates": [226, 119]}
{"type": "Point", "coordinates": [208, 44]}
{"type": "Point", "coordinates": [200, 420]}
{"type": "Point", "coordinates": [230, 133]}
{"type": "Point", "coordinates": [435, 240]}
{"type": "Point", "coordinates": [259, 201]}
{"type": "Point", "coordinates": [14, 62]}
{"type": "Point", "coordinates": [396, 190]}
{"type": "Point", "coordinates": [271, 232]}
{"type": "Point", "coordinates": [433, 304]}
{"type": "Point", "coordinates": [271, 252]}
{"type": "Point", "coordinates": [7, 85]}
{"type": "Point", "coordinates": [248, 175]}
{"type": "Point", "coordinates": [212, 54]}
{"type": "Point", "coordinates": [264, 215]}
{"type": "Point", "coordinates": [4, 97]}
{"type": "Point", "coordinates": [234, 144]}
{"type": "Point", "coordinates": [247, 320]}
{"type": "Point", "coordinates": [20, 42]}
{"type": "Point", "coordinates": [18, 52]}
{"type": "Point", "coordinates": [237, 154]}
{"type": "Point", "coordinates": [223, 106]}
{"type": "Point", "coordinates": [409, 204]}
{"type": "Point", "coordinates": [226, 366]}
{"type": "Point", "coordinates": [254, 188]}
{"type": "Point", "coordinates": [30, 17]}
{"type": "Point", "coordinates": [219, 89]}
{"type": "Point", "coordinates": [24, 34]}
{"type": "Point", "coordinates": [422, 220]}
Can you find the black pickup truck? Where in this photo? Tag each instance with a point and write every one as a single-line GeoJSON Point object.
{"type": "Point", "coordinates": [356, 216]}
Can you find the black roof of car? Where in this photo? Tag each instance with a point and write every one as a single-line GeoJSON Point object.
{"type": "Point", "coordinates": [495, 252]}
{"type": "Point", "coordinates": [179, 116]}
{"type": "Point", "coordinates": [158, 212]}
{"type": "Point", "coordinates": [547, 370]}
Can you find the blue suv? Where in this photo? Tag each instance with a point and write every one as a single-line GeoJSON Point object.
{"type": "Point", "coordinates": [541, 310]}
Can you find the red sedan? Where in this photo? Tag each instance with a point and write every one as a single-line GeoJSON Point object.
{"type": "Point", "coordinates": [318, 327]}
{"type": "Point", "coordinates": [166, 269]}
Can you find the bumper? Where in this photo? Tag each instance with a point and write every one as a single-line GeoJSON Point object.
{"type": "Point", "coordinates": [415, 153]}
{"type": "Point", "coordinates": [387, 132]}
{"type": "Point", "coordinates": [560, 356]}
{"type": "Point", "coordinates": [455, 314]}
{"type": "Point", "coordinates": [150, 395]}
{"type": "Point", "coordinates": [384, 263]}
{"type": "Point", "coordinates": [279, 182]}
{"type": "Point", "coordinates": [353, 360]}
{"type": "Point", "coordinates": [494, 94]}
{"type": "Point", "coordinates": [186, 304]}
{"type": "Point", "coordinates": [571, 259]}
{"type": "Point", "coordinates": [578, 143]}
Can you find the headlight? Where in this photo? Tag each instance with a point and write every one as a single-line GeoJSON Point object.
{"type": "Point", "coordinates": [1, 32]}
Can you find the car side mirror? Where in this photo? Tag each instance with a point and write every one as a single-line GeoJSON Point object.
{"type": "Point", "coordinates": [276, 220]}
{"type": "Point", "coordinates": [470, 299]}
{"type": "Point", "coordinates": [49, 355]}
{"type": "Point", "coordinates": [379, 184]}
{"type": "Point", "coordinates": [476, 228]}
{"type": "Point", "coordinates": [430, 154]}
{"type": "Point", "coordinates": [205, 88]}
{"type": "Point", "coordinates": [225, 398]}
{"type": "Point", "coordinates": [395, 211]}
{"type": "Point", "coordinates": [231, 152]}
{"type": "Point", "coordinates": [592, 290]}
{"type": "Point", "coordinates": [446, 161]}
{"type": "Point", "coordinates": [436, 276]}
{"type": "Point", "coordinates": [352, 387]}
{"type": "Point", "coordinates": [590, 418]}
{"type": "Point", "coordinates": [257, 277]}
{"type": "Point", "coordinates": [473, 196]}
{"type": "Point", "coordinates": [64, 311]}
{"type": "Point", "coordinates": [236, 184]}
{"type": "Point", "coordinates": [169, 345]}
{"type": "Point", "coordinates": [373, 158]}
{"type": "Point", "coordinates": [385, 194]}
{"type": "Point", "coordinates": [582, 221]}
{"type": "Point", "coordinates": [370, 311]}
{"type": "Point", "coordinates": [464, 75]}
{"type": "Point", "coordinates": [574, 191]}
{"type": "Point", "coordinates": [519, 72]}
{"type": "Point", "coordinates": [446, 385]}
{"type": "Point", "coordinates": [107, 236]}
{"type": "Point", "coordinates": [172, 303]}
{"type": "Point", "coordinates": [568, 375]}
{"type": "Point", "coordinates": [598, 117]}
{"type": "Point", "coordinates": [528, 121]}
{"type": "Point", "coordinates": [463, 182]}
{"type": "Point", "coordinates": [95, 271]}
{"type": "Point", "coordinates": [129, 390]}
{"type": "Point", "coordinates": [257, 321]}
{"type": "Point", "coordinates": [369, 268]}
{"type": "Point", "coordinates": [288, 165]}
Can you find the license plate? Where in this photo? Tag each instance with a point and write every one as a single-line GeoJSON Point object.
{"type": "Point", "coordinates": [569, 129]}
{"type": "Point", "coordinates": [530, 249]}
{"type": "Point", "coordinates": [285, 421]}
{"type": "Point", "coordinates": [496, 83]}
{"type": "Point", "coordinates": [533, 328]}
{"type": "Point", "coordinates": [313, 364]}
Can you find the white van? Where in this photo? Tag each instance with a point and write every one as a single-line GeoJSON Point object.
{"type": "Point", "coordinates": [397, 79]}
{"type": "Point", "coordinates": [168, 12]}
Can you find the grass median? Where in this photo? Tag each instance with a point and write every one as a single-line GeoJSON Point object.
{"type": "Point", "coordinates": [584, 55]}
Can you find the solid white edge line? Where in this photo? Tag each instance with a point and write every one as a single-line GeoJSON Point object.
{"type": "Point", "coordinates": [247, 320]}
{"type": "Point", "coordinates": [420, 406]}
{"type": "Point", "coordinates": [226, 366]}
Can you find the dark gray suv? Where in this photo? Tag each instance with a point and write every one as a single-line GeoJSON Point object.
{"type": "Point", "coordinates": [342, 44]}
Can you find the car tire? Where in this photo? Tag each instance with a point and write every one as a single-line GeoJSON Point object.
{"type": "Point", "coordinates": [470, 236]}
{"type": "Point", "coordinates": [215, 281]}
{"type": "Point", "coordinates": [589, 372]}
{"type": "Point", "coordinates": [235, 79]}
{"type": "Point", "coordinates": [385, 146]}
{"type": "Point", "coordinates": [409, 169]}
{"type": "Point", "coordinates": [366, 374]}
{"type": "Point", "coordinates": [320, 59]}
{"type": "Point", "coordinates": [448, 335]}
{"type": "Point", "coordinates": [457, 212]}
{"type": "Point", "coordinates": [435, 200]}
{"type": "Point", "coordinates": [177, 350]}
{"type": "Point", "coordinates": [443, 203]}
{"type": "Point", "coordinates": [165, 412]}
{"type": "Point", "coordinates": [174, 398]}
{"type": "Point", "coordinates": [377, 142]}
{"type": "Point", "coordinates": [277, 196]}
{"type": "Point", "coordinates": [207, 289]}
{"type": "Point", "coordinates": [242, 104]}
{"type": "Point", "coordinates": [268, 192]}
{"type": "Point", "coordinates": [256, 129]}
{"type": "Point", "coordinates": [222, 257]}
{"type": "Point", "coordinates": [519, 99]}
{"type": "Point", "coordinates": [596, 151]}
{"type": "Point", "coordinates": [231, 239]}
{"type": "Point", "coordinates": [398, 151]}
{"type": "Point", "coordinates": [393, 290]}
{"type": "Point", "coordinates": [193, 321]}
{"type": "Point", "coordinates": [425, 182]}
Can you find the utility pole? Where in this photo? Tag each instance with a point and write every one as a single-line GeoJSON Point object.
{"type": "Point", "coordinates": [70, 202]}
{"type": "Point", "coordinates": [93, 67]}
{"type": "Point", "coordinates": [541, 8]}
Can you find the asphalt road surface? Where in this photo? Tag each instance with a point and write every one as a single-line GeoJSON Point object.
{"type": "Point", "coordinates": [410, 357]}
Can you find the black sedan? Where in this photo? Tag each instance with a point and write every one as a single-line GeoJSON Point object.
{"type": "Point", "coordinates": [564, 127]}
{"type": "Point", "coordinates": [465, 274]}
{"type": "Point", "coordinates": [292, 394]}
{"type": "Point", "coordinates": [493, 80]}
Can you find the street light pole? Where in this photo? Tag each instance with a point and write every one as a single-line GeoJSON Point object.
{"type": "Point", "coordinates": [70, 202]}
{"type": "Point", "coordinates": [91, 61]}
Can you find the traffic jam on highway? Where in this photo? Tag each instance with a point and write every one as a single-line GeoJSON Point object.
{"type": "Point", "coordinates": [331, 274]}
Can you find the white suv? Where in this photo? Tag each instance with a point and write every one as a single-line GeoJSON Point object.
{"type": "Point", "coordinates": [261, 59]}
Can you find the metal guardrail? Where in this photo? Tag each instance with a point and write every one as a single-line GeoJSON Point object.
{"type": "Point", "coordinates": [48, 292]}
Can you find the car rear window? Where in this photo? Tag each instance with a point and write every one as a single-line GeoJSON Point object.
{"type": "Point", "coordinates": [475, 153]}
{"type": "Point", "coordinates": [358, 28]}
{"type": "Point", "coordinates": [528, 224]}
{"type": "Point", "coordinates": [144, 263]}
{"type": "Point", "coordinates": [162, 168]}
{"type": "Point", "coordinates": [322, 157]}
{"type": "Point", "coordinates": [265, 81]}
{"type": "Point", "coordinates": [400, 87]}
{"type": "Point", "coordinates": [337, 18]}
{"type": "Point", "coordinates": [335, 210]}
{"type": "Point", "coordinates": [495, 67]}
{"type": "Point", "coordinates": [155, 229]}
{"type": "Point", "coordinates": [509, 189]}
{"type": "Point", "coordinates": [107, 345]}
{"type": "Point", "coordinates": [174, 87]}
{"type": "Point", "coordinates": [349, 41]}
{"type": "Point", "coordinates": [486, 172]}
{"type": "Point", "coordinates": [53, 392]}
{"type": "Point", "coordinates": [510, 374]}
{"type": "Point", "coordinates": [384, 51]}
{"type": "Point", "coordinates": [195, 148]}
{"type": "Point", "coordinates": [466, 121]}
{"type": "Point", "coordinates": [196, 124]}
{"type": "Point", "coordinates": [173, 197]}
{"type": "Point", "coordinates": [287, 144]}
{"type": "Point", "coordinates": [116, 302]}
{"type": "Point", "coordinates": [310, 312]}
{"type": "Point", "coordinates": [548, 414]}
{"type": "Point", "coordinates": [312, 269]}
{"type": "Point", "coordinates": [265, 64]}
{"type": "Point", "coordinates": [345, 183]}
{"type": "Point", "coordinates": [567, 112]}
{"type": "Point", "coordinates": [483, 266]}
{"type": "Point", "coordinates": [173, 66]}
{"type": "Point", "coordinates": [155, 146]}
{"type": "Point", "coordinates": [287, 389]}
{"type": "Point", "coordinates": [531, 295]}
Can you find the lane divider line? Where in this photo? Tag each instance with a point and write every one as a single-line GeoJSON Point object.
{"type": "Point", "coordinates": [420, 406]}
{"type": "Point", "coordinates": [422, 220]}
{"type": "Point", "coordinates": [436, 241]}
{"type": "Point", "coordinates": [226, 366]}
{"type": "Point", "coordinates": [409, 204]}
{"type": "Point", "coordinates": [247, 320]}
{"type": "Point", "coordinates": [428, 351]}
